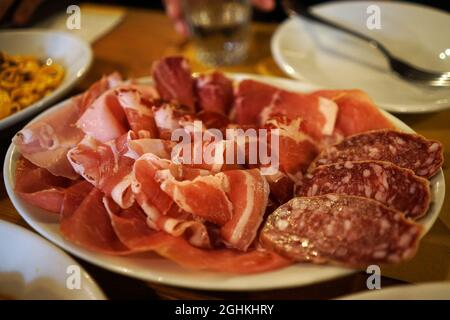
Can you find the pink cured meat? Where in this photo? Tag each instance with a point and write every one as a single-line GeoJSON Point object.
{"type": "Point", "coordinates": [121, 109]}
{"type": "Point", "coordinates": [248, 192]}
{"type": "Point", "coordinates": [395, 187]}
{"type": "Point", "coordinates": [169, 117]}
{"type": "Point", "coordinates": [214, 92]}
{"type": "Point", "coordinates": [122, 232]}
{"type": "Point", "coordinates": [138, 110]}
{"type": "Point", "coordinates": [85, 221]}
{"type": "Point", "coordinates": [85, 99]}
{"type": "Point", "coordinates": [357, 112]}
{"type": "Point", "coordinates": [296, 148]}
{"type": "Point", "coordinates": [251, 98]}
{"type": "Point", "coordinates": [347, 230]}
{"type": "Point", "coordinates": [161, 210]}
{"type": "Point", "coordinates": [326, 112]}
{"type": "Point", "coordinates": [114, 122]}
{"type": "Point", "coordinates": [411, 151]}
{"type": "Point", "coordinates": [257, 102]}
{"type": "Point", "coordinates": [45, 142]}
{"type": "Point", "coordinates": [39, 187]}
{"type": "Point", "coordinates": [174, 81]}
{"type": "Point", "coordinates": [105, 166]}
{"type": "Point", "coordinates": [203, 196]}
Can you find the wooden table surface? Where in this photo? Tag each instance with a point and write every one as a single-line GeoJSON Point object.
{"type": "Point", "coordinates": [144, 36]}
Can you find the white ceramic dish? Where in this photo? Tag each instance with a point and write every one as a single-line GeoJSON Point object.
{"type": "Point", "coordinates": [72, 53]}
{"type": "Point", "coordinates": [154, 268]}
{"type": "Point", "coordinates": [331, 59]}
{"type": "Point", "coordinates": [423, 291]}
{"type": "Point", "coordinates": [33, 268]}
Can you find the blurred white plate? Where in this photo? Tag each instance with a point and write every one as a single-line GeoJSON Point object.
{"type": "Point", "coordinates": [157, 269]}
{"type": "Point", "coordinates": [33, 268]}
{"type": "Point", "coordinates": [423, 291]}
{"type": "Point", "coordinates": [331, 59]}
{"type": "Point", "coordinates": [72, 53]}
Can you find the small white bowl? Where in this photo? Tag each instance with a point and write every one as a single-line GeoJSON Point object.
{"type": "Point", "coordinates": [72, 53]}
{"type": "Point", "coordinates": [33, 268]}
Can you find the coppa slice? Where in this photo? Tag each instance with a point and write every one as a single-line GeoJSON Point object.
{"type": "Point", "coordinates": [342, 229]}
{"type": "Point", "coordinates": [395, 187]}
{"type": "Point", "coordinates": [406, 150]}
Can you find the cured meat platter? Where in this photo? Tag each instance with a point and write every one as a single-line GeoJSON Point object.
{"type": "Point", "coordinates": [228, 228]}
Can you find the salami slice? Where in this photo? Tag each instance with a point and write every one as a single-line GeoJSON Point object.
{"type": "Point", "coordinates": [395, 187]}
{"type": "Point", "coordinates": [341, 229]}
{"type": "Point", "coordinates": [406, 150]}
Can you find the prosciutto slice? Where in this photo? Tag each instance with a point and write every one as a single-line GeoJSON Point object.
{"type": "Point", "coordinates": [121, 109]}
{"type": "Point", "coordinates": [45, 142]}
{"type": "Point", "coordinates": [248, 192]}
{"type": "Point", "coordinates": [174, 82]}
{"type": "Point", "coordinates": [87, 223]}
{"type": "Point", "coordinates": [205, 196]}
{"type": "Point", "coordinates": [39, 187]}
{"type": "Point", "coordinates": [214, 92]}
{"type": "Point", "coordinates": [138, 110]}
{"type": "Point", "coordinates": [132, 230]}
{"type": "Point", "coordinates": [257, 102]}
{"type": "Point", "coordinates": [357, 112]}
{"type": "Point", "coordinates": [296, 148]}
{"type": "Point", "coordinates": [105, 166]}
{"type": "Point", "coordinates": [162, 211]}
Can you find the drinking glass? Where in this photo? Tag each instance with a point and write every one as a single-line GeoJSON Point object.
{"type": "Point", "coordinates": [220, 29]}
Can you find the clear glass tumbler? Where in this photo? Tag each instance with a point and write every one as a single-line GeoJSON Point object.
{"type": "Point", "coordinates": [220, 29]}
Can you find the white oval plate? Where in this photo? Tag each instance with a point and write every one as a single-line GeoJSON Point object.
{"type": "Point", "coordinates": [72, 53]}
{"type": "Point", "coordinates": [331, 59]}
{"type": "Point", "coordinates": [33, 268]}
{"type": "Point", "coordinates": [422, 291]}
{"type": "Point", "coordinates": [154, 268]}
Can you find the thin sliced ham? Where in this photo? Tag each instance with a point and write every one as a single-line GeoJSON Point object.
{"type": "Point", "coordinates": [357, 112]}
{"type": "Point", "coordinates": [162, 212]}
{"type": "Point", "coordinates": [174, 82]}
{"type": "Point", "coordinates": [158, 147]}
{"type": "Point", "coordinates": [45, 142]}
{"type": "Point", "coordinates": [204, 196]}
{"type": "Point", "coordinates": [105, 166]}
{"type": "Point", "coordinates": [122, 108]}
{"type": "Point", "coordinates": [138, 111]}
{"type": "Point", "coordinates": [221, 260]}
{"type": "Point", "coordinates": [85, 99]}
{"type": "Point", "coordinates": [214, 92]}
{"type": "Point", "coordinates": [248, 191]}
{"type": "Point", "coordinates": [296, 148]}
{"type": "Point", "coordinates": [113, 122]}
{"type": "Point", "coordinates": [131, 228]}
{"type": "Point", "coordinates": [39, 187]}
{"type": "Point", "coordinates": [257, 102]}
{"type": "Point", "coordinates": [87, 223]}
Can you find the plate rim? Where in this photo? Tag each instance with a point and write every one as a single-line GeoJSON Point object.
{"type": "Point", "coordinates": [95, 290]}
{"type": "Point", "coordinates": [147, 275]}
{"type": "Point", "coordinates": [396, 289]}
{"type": "Point", "coordinates": [61, 90]}
{"type": "Point", "coordinates": [291, 72]}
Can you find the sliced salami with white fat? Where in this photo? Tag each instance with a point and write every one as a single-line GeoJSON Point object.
{"type": "Point", "coordinates": [406, 150]}
{"type": "Point", "coordinates": [341, 229]}
{"type": "Point", "coordinates": [395, 187]}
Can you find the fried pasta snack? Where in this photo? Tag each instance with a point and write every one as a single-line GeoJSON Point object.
{"type": "Point", "coordinates": [25, 80]}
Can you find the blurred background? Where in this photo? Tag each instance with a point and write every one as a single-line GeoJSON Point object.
{"type": "Point", "coordinates": [40, 9]}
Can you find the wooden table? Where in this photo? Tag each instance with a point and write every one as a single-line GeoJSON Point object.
{"type": "Point", "coordinates": [144, 36]}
